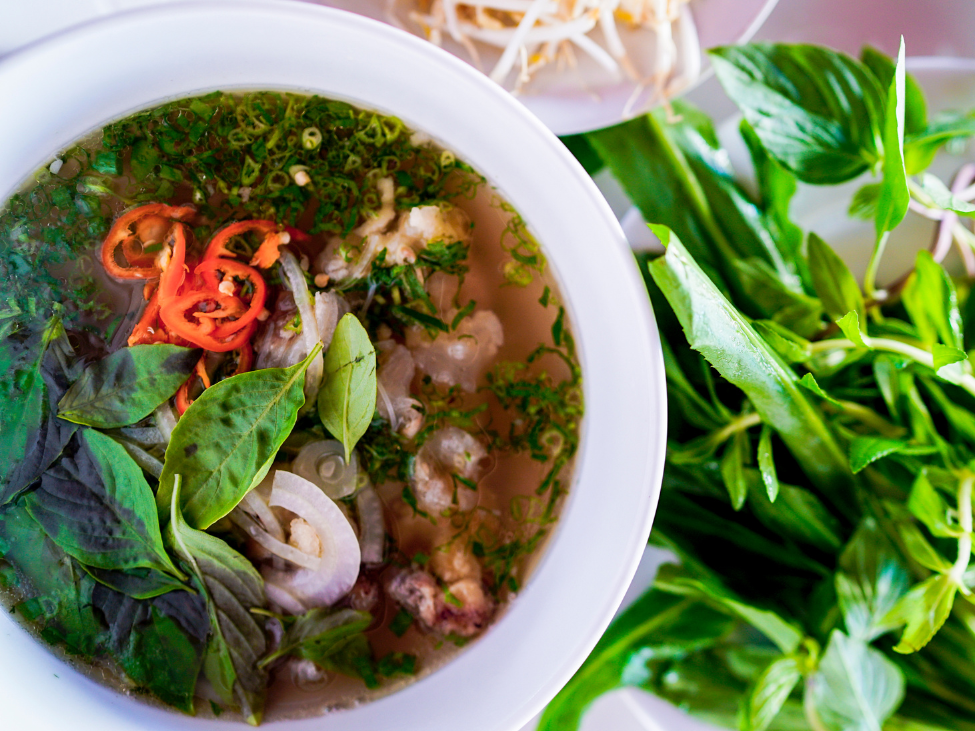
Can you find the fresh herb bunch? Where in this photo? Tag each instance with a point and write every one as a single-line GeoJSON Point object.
{"type": "Point", "coordinates": [818, 489]}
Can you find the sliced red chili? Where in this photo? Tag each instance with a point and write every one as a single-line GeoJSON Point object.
{"type": "Point", "coordinates": [148, 220]}
{"type": "Point", "coordinates": [174, 274]}
{"type": "Point", "coordinates": [194, 317]}
{"type": "Point", "coordinates": [218, 244]}
{"type": "Point", "coordinates": [209, 269]}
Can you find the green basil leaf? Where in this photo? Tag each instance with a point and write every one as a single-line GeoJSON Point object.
{"type": "Point", "coordinates": [770, 693]}
{"type": "Point", "coordinates": [720, 333]}
{"type": "Point", "coordinates": [137, 583]}
{"type": "Point", "coordinates": [818, 112]}
{"type": "Point", "coordinates": [923, 610]}
{"type": "Point", "coordinates": [866, 450]}
{"type": "Point", "coordinates": [932, 302]}
{"type": "Point", "coordinates": [928, 506]}
{"type": "Point", "coordinates": [226, 441]}
{"type": "Point", "coordinates": [733, 469]}
{"type": "Point", "coordinates": [782, 633]}
{"type": "Point", "coordinates": [347, 399]}
{"type": "Point", "coordinates": [894, 195]}
{"type": "Point", "coordinates": [775, 300]}
{"type": "Point", "coordinates": [31, 436]}
{"type": "Point", "coordinates": [835, 286]}
{"type": "Point", "coordinates": [850, 326]}
{"type": "Point", "coordinates": [864, 202]}
{"type": "Point", "coordinates": [791, 347]}
{"type": "Point", "coordinates": [944, 355]}
{"type": "Point", "coordinates": [944, 198]}
{"type": "Point", "coordinates": [128, 385]}
{"type": "Point", "coordinates": [870, 581]}
{"type": "Point", "coordinates": [54, 581]}
{"type": "Point", "coordinates": [657, 624]}
{"type": "Point", "coordinates": [98, 507]}
{"type": "Point", "coordinates": [232, 587]}
{"type": "Point", "coordinates": [856, 687]}
{"type": "Point", "coordinates": [921, 147]}
{"type": "Point", "coordinates": [808, 381]}
{"type": "Point", "coordinates": [319, 634]}
{"type": "Point", "coordinates": [766, 464]}
{"type": "Point", "coordinates": [885, 69]}
{"type": "Point", "coordinates": [796, 514]}
{"type": "Point", "coordinates": [921, 551]}
{"type": "Point", "coordinates": [158, 643]}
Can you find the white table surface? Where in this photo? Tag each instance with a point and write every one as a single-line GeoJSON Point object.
{"type": "Point", "coordinates": [930, 27]}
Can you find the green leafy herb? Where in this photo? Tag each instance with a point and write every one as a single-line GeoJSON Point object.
{"type": "Point", "coordinates": [98, 507]}
{"type": "Point", "coordinates": [128, 385]}
{"type": "Point", "coordinates": [226, 441]}
{"type": "Point", "coordinates": [347, 399]}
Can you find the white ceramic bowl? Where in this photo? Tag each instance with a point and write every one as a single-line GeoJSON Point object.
{"type": "Point", "coordinates": [58, 90]}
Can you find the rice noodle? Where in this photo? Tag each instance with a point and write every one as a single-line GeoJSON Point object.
{"type": "Point", "coordinates": [309, 324]}
{"type": "Point", "coordinates": [255, 505]}
{"type": "Point", "coordinates": [284, 599]}
{"type": "Point", "coordinates": [273, 545]}
{"type": "Point", "coordinates": [165, 421]}
{"type": "Point", "coordinates": [372, 525]}
{"type": "Point", "coordinates": [142, 458]}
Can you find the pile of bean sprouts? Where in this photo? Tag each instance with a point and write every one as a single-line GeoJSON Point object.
{"type": "Point", "coordinates": [532, 34]}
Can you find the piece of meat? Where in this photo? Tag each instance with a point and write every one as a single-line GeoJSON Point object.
{"type": "Point", "coordinates": [304, 538]}
{"type": "Point", "coordinates": [396, 371]}
{"type": "Point", "coordinates": [455, 563]}
{"type": "Point", "coordinates": [462, 356]}
{"type": "Point", "coordinates": [420, 594]}
{"type": "Point", "coordinates": [277, 346]}
{"type": "Point", "coordinates": [450, 451]}
{"type": "Point", "coordinates": [364, 595]}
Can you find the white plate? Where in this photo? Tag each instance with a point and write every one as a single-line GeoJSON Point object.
{"type": "Point", "coordinates": [585, 99]}
{"type": "Point", "coordinates": [73, 83]}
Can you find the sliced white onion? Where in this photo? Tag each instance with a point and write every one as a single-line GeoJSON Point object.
{"type": "Point", "coordinates": [339, 565]}
{"type": "Point", "coordinates": [283, 599]}
{"type": "Point", "coordinates": [309, 324]}
{"type": "Point", "coordinates": [255, 503]}
{"type": "Point", "coordinates": [372, 525]}
{"type": "Point", "coordinates": [323, 463]}
{"type": "Point", "coordinates": [273, 545]}
{"type": "Point", "coordinates": [165, 421]}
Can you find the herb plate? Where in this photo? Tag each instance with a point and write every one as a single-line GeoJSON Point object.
{"type": "Point", "coordinates": [73, 83]}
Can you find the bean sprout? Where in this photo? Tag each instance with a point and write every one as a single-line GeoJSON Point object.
{"type": "Point", "coordinates": [532, 34]}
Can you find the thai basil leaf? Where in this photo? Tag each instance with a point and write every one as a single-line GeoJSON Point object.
{"type": "Point", "coordinates": [808, 381]}
{"type": "Point", "coordinates": [232, 587]}
{"type": "Point", "coordinates": [158, 643]}
{"type": "Point", "coordinates": [944, 198]}
{"type": "Point", "coordinates": [921, 551]}
{"type": "Point", "coordinates": [226, 441]}
{"type": "Point", "coordinates": [128, 385]}
{"type": "Point", "coordinates": [870, 581]}
{"type": "Point", "coordinates": [658, 624]}
{"type": "Point", "coordinates": [818, 112]}
{"type": "Point", "coordinates": [766, 464]}
{"type": "Point", "coordinates": [894, 195]}
{"type": "Point", "coordinates": [795, 310]}
{"type": "Point", "coordinates": [932, 303]}
{"type": "Point", "coordinates": [137, 583]}
{"type": "Point", "coordinates": [864, 202]}
{"type": "Point", "coordinates": [885, 69]}
{"type": "Point", "coordinates": [98, 507]}
{"type": "Point", "coordinates": [866, 450]}
{"type": "Point", "coordinates": [835, 286]}
{"type": "Point", "coordinates": [924, 610]}
{"type": "Point", "coordinates": [696, 409]}
{"type": "Point", "coordinates": [797, 514]}
{"type": "Point", "coordinates": [776, 187]}
{"type": "Point", "coordinates": [770, 693]}
{"type": "Point", "coordinates": [856, 687]}
{"type": "Point", "coordinates": [54, 582]}
{"type": "Point", "coordinates": [31, 437]}
{"type": "Point", "coordinates": [347, 399]}
{"type": "Point", "coordinates": [945, 355]}
{"type": "Point", "coordinates": [720, 333]}
{"type": "Point", "coordinates": [921, 147]}
{"type": "Point", "coordinates": [928, 506]}
{"type": "Point", "coordinates": [675, 580]}
{"type": "Point", "coordinates": [320, 634]}
{"type": "Point", "coordinates": [733, 469]}
{"type": "Point", "coordinates": [850, 326]}
{"type": "Point", "coordinates": [791, 347]}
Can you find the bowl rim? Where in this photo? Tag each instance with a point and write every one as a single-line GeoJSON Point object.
{"type": "Point", "coordinates": [625, 425]}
